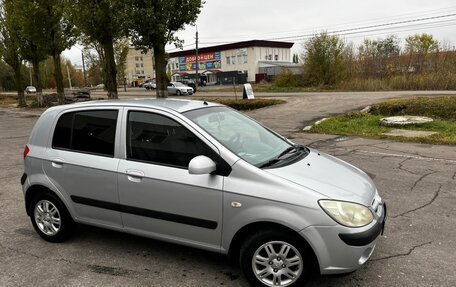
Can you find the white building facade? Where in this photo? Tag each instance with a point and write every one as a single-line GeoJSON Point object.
{"type": "Point", "coordinates": [239, 62]}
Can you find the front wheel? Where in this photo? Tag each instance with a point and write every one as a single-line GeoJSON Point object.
{"type": "Point", "coordinates": [273, 258]}
{"type": "Point", "coordinates": [178, 93]}
{"type": "Point", "coordinates": [50, 218]}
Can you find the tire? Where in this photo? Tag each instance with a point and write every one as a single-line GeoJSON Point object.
{"type": "Point", "coordinates": [290, 268]}
{"type": "Point", "coordinates": [55, 223]}
{"type": "Point", "coordinates": [178, 93]}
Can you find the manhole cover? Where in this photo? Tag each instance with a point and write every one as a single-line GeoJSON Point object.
{"type": "Point", "coordinates": [405, 120]}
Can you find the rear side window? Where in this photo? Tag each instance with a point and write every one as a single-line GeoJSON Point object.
{"type": "Point", "coordinates": [87, 131]}
{"type": "Point", "coordinates": [158, 139]}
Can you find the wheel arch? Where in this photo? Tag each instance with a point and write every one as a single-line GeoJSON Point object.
{"type": "Point", "coordinates": [37, 189]}
{"type": "Point", "coordinates": [242, 234]}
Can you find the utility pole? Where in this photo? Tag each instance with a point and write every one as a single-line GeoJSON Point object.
{"type": "Point", "coordinates": [69, 79]}
{"type": "Point", "coordinates": [197, 63]}
{"type": "Point", "coordinates": [83, 68]}
{"type": "Point", "coordinates": [30, 70]}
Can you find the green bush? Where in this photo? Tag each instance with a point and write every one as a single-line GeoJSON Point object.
{"type": "Point", "coordinates": [286, 79]}
{"type": "Point", "coordinates": [435, 107]}
{"type": "Point", "coordinates": [243, 105]}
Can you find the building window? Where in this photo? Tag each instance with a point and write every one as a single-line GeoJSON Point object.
{"type": "Point", "coordinates": [239, 59]}
{"type": "Point", "coordinates": [233, 60]}
{"type": "Point", "coordinates": [228, 62]}
{"type": "Point", "coordinates": [137, 65]}
{"type": "Point", "coordinates": [245, 59]}
{"type": "Point", "coordinates": [142, 65]}
{"type": "Point", "coordinates": [276, 57]}
{"type": "Point", "coordinates": [136, 58]}
{"type": "Point", "coordinates": [141, 58]}
{"type": "Point", "coordinates": [270, 57]}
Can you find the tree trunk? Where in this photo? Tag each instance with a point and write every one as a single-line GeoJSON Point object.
{"type": "Point", "coordinates": [37, 81]}
{"type": "Point", "coordinates": [19, 85]}
{"type": "Point", "coordinates": [59, 78]}
{"type": "Point", "coordinates": [110, 70]}
{"type": "Point", "coordinates": [160, 71]}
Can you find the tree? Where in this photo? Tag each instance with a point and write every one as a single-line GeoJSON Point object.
{"type": "Point", "coordinates": [102, 22]}
{"type": "Point", "coordinates": [27, 22]}
{"type": "Point", "coordinates": [58, 33]}
{"type": "Point", "coordinates": [376, 55]}
{"type": "Point", "coordinates": [324, 62]}
{"type": "Point", "coordinates": [121, 52]}
{"type": "Point", "coordinates": [9, 47]}
{"type": "Point", "coordinates": [419, 46]}
{"type": "Point", "coordinates": [153, 24]}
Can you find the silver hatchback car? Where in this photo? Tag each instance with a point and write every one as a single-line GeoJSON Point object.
{"type": "Point", "coordinates": [203, 175]}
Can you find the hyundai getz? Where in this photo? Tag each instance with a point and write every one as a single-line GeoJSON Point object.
{"type": "Point", "coordinates": [204, 175]}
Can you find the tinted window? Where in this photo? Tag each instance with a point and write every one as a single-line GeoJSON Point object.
{"type": "Point", "coordinates": [88, 131]}
{"type": "Point", "coordinates": [158, 139]}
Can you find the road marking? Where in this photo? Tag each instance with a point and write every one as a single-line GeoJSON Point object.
{"type": "Point", "coordinates": [408, 156]}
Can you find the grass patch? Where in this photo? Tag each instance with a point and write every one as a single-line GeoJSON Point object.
{"type": "Point", "coordinates": [442, 109]}
{"type": "Point", "coordinates": [244, 105]}
{"type": "Point", "coordinates": [7, 100]}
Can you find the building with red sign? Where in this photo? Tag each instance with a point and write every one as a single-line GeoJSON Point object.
{"type": "Point", "coordinates": [222, 64]}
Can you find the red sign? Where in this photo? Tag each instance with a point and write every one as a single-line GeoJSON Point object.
{"type": "Point", "coordinates": [201, 58]}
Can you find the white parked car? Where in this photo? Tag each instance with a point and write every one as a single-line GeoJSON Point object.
{"type": "Point", "coordinates": [30, 90]}
{"type": "Point", "coordinates": [177, 88]}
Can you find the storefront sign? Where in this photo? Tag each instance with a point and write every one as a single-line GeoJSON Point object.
{"type": "Point", "coordinates": [206, 61]}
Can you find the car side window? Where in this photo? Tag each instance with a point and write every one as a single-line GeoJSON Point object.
{"type": "Point", "coordinates": [158, 139]}
{"type": "Point", "coordinates": [87, 132]}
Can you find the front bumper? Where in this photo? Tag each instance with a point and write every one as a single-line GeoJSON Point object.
{"type": "Point", "coordinates": [341, 249]}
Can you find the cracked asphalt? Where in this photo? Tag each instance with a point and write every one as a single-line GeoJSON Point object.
{"type": "Point", "coordinates": [418, 248]}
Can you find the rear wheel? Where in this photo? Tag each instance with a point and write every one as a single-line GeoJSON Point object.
{"type": "Point", "coordinates": [50, 218]}
{"type": "Point", "coordinates": [271, 258]}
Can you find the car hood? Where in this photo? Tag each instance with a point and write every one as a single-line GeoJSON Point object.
{"type": "Point", "coordinates": [330, 177]}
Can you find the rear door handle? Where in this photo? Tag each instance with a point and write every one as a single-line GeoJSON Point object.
{"type": "Point", "coordinates": [57, 162]}
{"type": "Point", "coordinates": [134, 175]}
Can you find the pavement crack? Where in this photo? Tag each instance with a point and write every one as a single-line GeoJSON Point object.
{"type": "Point", "coordinates": [437, 193]}
{"type": "Point", "coordinates": [403, 254]}
{"type": "Point", "coordinates": [401, 166]}
{"type": "Point", "coordinates": [420, 179]}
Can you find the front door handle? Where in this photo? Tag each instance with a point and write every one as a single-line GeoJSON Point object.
{"type": "Point", "coordinates": [134, 175]}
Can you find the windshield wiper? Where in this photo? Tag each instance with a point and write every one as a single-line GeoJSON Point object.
{"type": "Point", "coordinates": [278, 158]}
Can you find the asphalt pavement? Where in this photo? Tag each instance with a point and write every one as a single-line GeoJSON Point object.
{"type": "Point", "coordinates": [417, 181]}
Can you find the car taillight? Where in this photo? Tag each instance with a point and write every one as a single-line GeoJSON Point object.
{"type": "Point", "coordinates": [26, 151]}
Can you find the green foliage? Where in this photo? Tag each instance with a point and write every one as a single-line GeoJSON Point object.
{"type": "Point", "coordinates": [153, 24]}
{"type": "Point", "coordinates": [435, 107]}
{"type": "Point", "coordinates": [324, 62]}
{"type": "Point", "coordinates": [365, 124]}
{"type": "Point", "coordinates": [286, 79]}
{"type": "Point", "coordinates": [242, 104]}
{"type": "Point", "coordinates": [421, 44]}
{"type": "Point", "coordinates": [375, 55]}
{"type": "Point", "coordinates": [102, 22]}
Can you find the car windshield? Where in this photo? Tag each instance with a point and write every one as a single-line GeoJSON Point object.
{"type": "Point", "coordinates": [246, 138]}
{"type": "Point", "coordinates": [177, 84]}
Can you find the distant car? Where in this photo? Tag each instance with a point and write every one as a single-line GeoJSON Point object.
{"type": "Point", "coordinates": [149, 85]}
{"type": "Point", "coordinates": [100, 86]}
{"type": "Point", "coordinates": [74, 96]}
{"type": "Point", "coordinates": [177, 88]}
{"type": "Point", "coordinates": [30, 90]}
{"type": "Point", "coordinates": [189, 83]}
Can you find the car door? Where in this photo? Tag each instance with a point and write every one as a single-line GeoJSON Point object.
{"type": "Point", "coordinates": [171, 88]}
{"type": "Point", "coordinates": [158, 196]}
{"type": "Point", "coordinates": [82, 163]}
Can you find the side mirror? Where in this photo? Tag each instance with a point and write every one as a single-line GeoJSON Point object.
{"type": "Point", "coordinates": [201, 165]}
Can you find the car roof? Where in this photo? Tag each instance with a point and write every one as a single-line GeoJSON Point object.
{"type": "Point", "coordinates": [178, 105]}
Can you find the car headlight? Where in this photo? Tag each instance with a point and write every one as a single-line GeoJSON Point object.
{"type": "Point", "coordinates": [347, 213]}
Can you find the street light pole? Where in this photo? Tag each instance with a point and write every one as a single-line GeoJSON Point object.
{"type": "Point", "coordinates": [197, 63]}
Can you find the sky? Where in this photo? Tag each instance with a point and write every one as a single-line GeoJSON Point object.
{"type": "Point", "coordinates": [296, 20]}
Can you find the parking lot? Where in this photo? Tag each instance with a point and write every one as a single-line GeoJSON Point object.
{"type": "Point", "coordinates": [418, 248]}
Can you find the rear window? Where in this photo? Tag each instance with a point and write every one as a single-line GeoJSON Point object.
{"type": "Point", "coordinates": [91, 132]}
